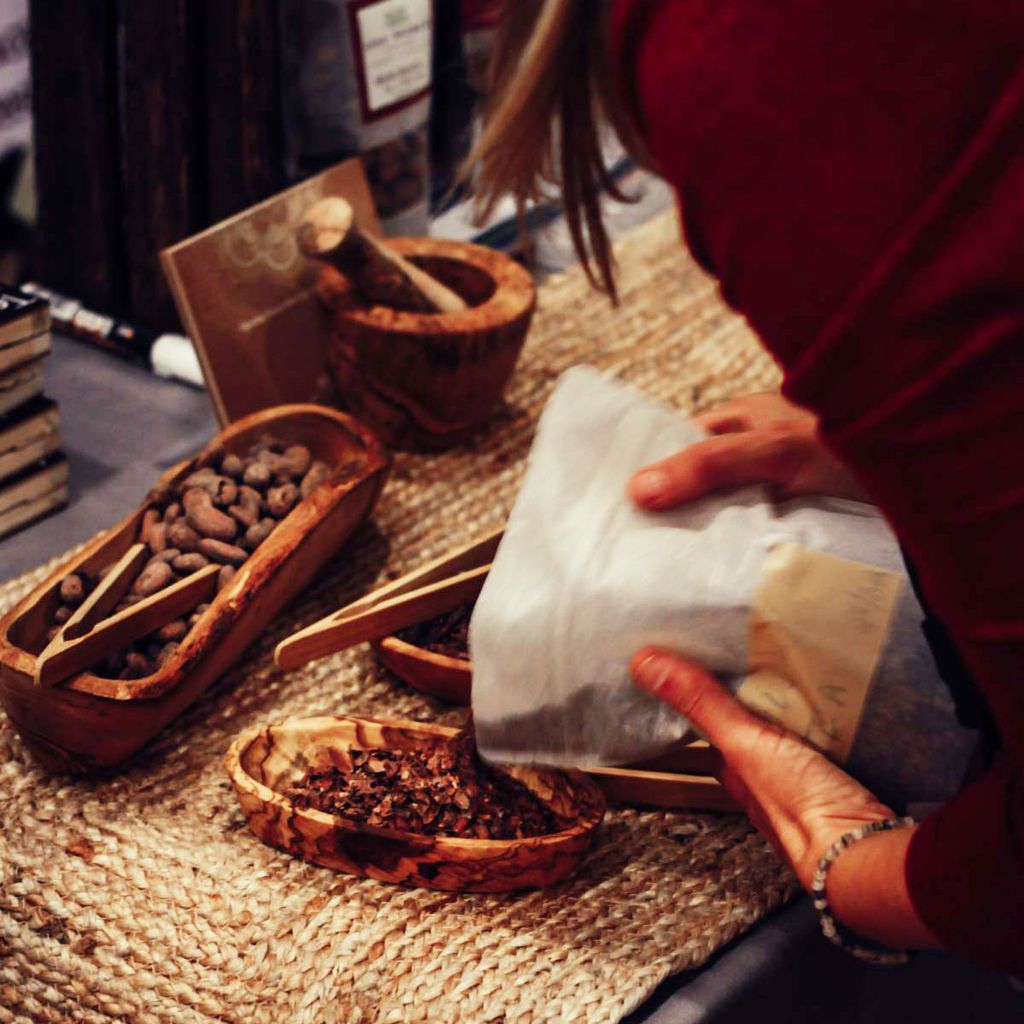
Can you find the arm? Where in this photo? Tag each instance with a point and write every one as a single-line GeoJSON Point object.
{"type": "Point", "coordinates": [857, 186]}
{"type": "Point", "coordinates": [799, 800]}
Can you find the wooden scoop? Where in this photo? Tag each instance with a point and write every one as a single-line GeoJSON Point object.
{"type": "Point", "coordinates": [382, 277]}
{"type": "Point", "coordinates": [82, 643]}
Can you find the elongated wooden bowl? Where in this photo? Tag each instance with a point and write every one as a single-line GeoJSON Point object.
{"type": "Point", "coordinates": [429, 380]}
{"type": "Point", "coordinates": [265, 761]}
{"type": "Point", "coordinates": [89, 722]}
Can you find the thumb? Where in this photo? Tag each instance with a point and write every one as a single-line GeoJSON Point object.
{"type": "Point", "coordinates": [697, 695]}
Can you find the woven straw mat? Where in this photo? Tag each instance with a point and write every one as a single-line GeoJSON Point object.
{"type": "Point", "coordinates": [144, 897]}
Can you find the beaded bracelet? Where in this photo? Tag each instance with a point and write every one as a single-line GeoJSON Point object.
{"type": "Point", "coordinates": [831, 929]}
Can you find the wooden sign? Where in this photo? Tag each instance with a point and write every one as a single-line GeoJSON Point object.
{"type": "Point", "coordinates": [245, 294]}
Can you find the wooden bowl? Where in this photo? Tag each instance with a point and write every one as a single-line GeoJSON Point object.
{"type": "Point", "coordinates": [439, 675]}
{"type": "Point", "coordinates": [427, 381]}
{"type": "Point", "coordinates": [265, 761]}
{"type": "Point", "coordinates": [89, 722]}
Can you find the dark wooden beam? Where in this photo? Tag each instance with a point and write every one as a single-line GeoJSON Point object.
{"type": "Point", "coordinates": [74, 109]}
{"type": "Point", "coordinates": [244, 138]}
{"type": "Point", "coordinates": [162, 129]}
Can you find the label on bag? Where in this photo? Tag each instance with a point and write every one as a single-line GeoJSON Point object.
{"type": "Point", "coordinates": [394, 44]}
{"type": "Point", "coordinates": [816, 633]}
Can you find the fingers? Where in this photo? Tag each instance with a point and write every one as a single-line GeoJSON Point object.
{"type": "Point", "coordinates": [722, 462]}
{"type": "Point", "coordinates": [696, 695]}
{"type": "Point", "coordinates": [751, 412]}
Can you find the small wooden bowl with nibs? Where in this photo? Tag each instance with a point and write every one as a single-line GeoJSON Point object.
{"type": "Point", "coordinates": [252, 518]}
{"type": "Point", "coordinates": [268, 766]}
{"type": "Point", "coordinates": [425, 605]}
{"type": "Point", "coordinates": [429, 658]}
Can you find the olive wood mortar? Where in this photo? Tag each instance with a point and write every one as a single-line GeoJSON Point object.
{"type": "Point", "coordinates": [427, 381]}
{"type": "Point", "coordinates": [263, 762]}
{"type": "Point", "coordinates": [91, 723]}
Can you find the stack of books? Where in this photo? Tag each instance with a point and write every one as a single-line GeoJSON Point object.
{"type": "Point", "coordinates": [33, 472]}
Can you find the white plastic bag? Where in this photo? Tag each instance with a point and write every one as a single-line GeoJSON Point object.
{"type": "Point", "coordinates": [804, 605]}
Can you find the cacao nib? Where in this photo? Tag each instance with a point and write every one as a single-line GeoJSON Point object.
{"type": "Point", "coordinates": [440, 790]}
{"type": "Point", "coordinates": [447, 634]}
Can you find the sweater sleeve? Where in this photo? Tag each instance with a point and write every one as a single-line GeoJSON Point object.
{"type": "Point", "coordinates": [857, 185]}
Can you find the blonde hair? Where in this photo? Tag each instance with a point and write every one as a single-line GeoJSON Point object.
{"type": "Point", "coordinates": [550, 90]}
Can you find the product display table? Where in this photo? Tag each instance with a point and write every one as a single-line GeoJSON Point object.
{"type": "Point", "coordinates": [144, 897]}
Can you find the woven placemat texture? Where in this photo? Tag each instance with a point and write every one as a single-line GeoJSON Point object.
{"type": "Point", "coordinates": [144, 897]}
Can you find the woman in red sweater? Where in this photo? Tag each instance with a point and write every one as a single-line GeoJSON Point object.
{"type": "Point", "coordinates": [853, 174]}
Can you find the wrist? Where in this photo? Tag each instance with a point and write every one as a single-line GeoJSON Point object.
{"type": "Point", "coordinates": [867, 891]}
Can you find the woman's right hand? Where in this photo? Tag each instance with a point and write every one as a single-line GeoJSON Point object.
{"type": "Point", "coordinates": [761, 438]}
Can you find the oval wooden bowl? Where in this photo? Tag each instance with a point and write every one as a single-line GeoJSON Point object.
{"type": "Point", "coordinates": [439, 675]}
{"type": "Point", "coordinates": [429, 380]}
{"type": "Point", "coordinates": [265, 761]}
{"type": "Point", "coordinates": [90, 722]}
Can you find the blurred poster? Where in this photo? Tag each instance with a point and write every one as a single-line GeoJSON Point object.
{"type": "Point", "coordinates": [15, 77]}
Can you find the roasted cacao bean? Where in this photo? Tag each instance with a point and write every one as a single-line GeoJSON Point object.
{"type": "Point", "coordinates": [185, 565]}
{"type": "Point", "coordinates": [72, 590]}
{"type": "Point", "coordinates": [219, 551]}
{"type": "Point", "coordinates": [281, 500]}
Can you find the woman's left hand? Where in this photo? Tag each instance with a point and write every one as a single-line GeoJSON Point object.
{"type": "Point", "coordinates": [797, 798]}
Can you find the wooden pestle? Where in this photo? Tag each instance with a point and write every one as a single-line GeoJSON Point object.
{"type": "Point", "coordinates": [381, 277]}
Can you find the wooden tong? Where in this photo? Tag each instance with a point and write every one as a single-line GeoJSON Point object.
{"type": "Point", "coordinates": [422, 594]}
{"type": "Point", "coordinates": [89, 636]}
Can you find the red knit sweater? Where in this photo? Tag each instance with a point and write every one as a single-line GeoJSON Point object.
{"type": "Point", "coordinates": [853, 173]}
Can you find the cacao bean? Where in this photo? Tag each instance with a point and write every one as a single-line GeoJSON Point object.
{"type": "Point", "coordinates": [281, 500]}
{"type": "Point", "coordinates": [72, 590]}
{"type": "Point", "coordinates": [226, 492]}
{"type": "Point", "coordinates": [166, 653]}
{"type": "Point", "coordinates": [232, 466]}
{"type": "Point", "coordinates": [62, 615]}
{"type": "Point", "coordinates": [136, 666]}
{"type": "Point", "coordinates": [185, 565]}
{"type": "Point", "coordinates": [247, 510]}
{"type": "Point", "coordinates": [206, 520]}
{"type": "Point", "coordinates": [296, 460]}
{"type": "Point", "coordinates": [149, 519]}
{"type": "Point", "coordinates": [174, 630]}
{"type": "Point", "coordinates": [218, 551]}
{"type": "Point", "coordinates": [155, 576]}
{"type": "Point", "coordinates": [257, 474]}
{"type": "Point", "coordinates": [225, 576]}
{"type": "Point", "coordinates": [318, 473]}
{"type": "Point", "coordinates": [157, 539]}
{"type": "Point", "coordinates": [182, 536]}
{"type": "Point", "coordinates": [168, 555]}
{"type": "Point", "coordinates": [199, 478]}
{"type": "Point", "coordinates": [259, 532]}
{"type": "Point", "coordinates": [246, 517]}
{"type": "Point", "coordinates": [172, 513]}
